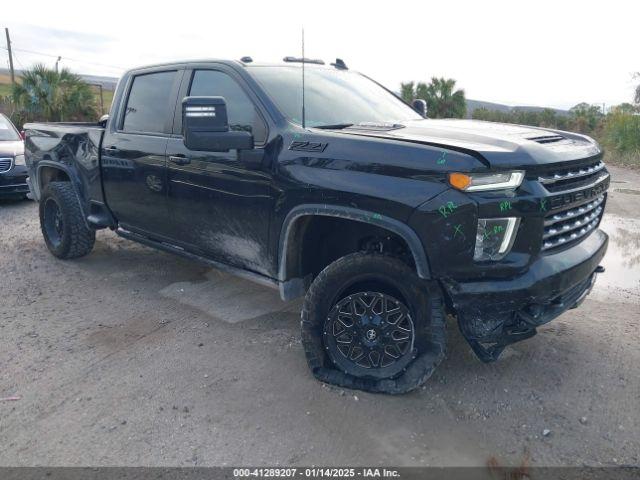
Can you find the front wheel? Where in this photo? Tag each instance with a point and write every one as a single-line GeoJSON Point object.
{"type": "Point", "coordinates": [368, 322]}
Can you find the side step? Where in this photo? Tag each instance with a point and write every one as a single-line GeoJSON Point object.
{"type": "Point", "coordinates": [167, 247]}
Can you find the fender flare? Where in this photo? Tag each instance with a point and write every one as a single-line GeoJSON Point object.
{"type": "Point", "coordinates": [58, 166]}
{"type": "Point", "coordinates": [401, 229]}
{"type": "Point", "coordinates": [75, 182]}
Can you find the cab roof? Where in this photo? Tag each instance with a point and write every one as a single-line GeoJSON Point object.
{"type": "Point", "coordinates": [248, 62]}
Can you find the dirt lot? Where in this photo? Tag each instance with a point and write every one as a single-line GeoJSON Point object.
{"type": "Point", "coordinates": [135, 357]}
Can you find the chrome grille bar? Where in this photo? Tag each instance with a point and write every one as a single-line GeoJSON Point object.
{"type": "Point", "coordinates": [571, 174]}
{"type": "Point", "coordinates": [574, 212]}
{"type": "Point", "coordinates": [5, 164]}
{"type": "Point", "coordinates": [577, 223]}
{"type": "Point", "coordinates": [562, 239]}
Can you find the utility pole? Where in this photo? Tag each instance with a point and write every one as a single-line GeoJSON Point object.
{"type": "Point", "coordinates": [13, 74]}
{"type": "Point", "coordinates": [99, 85]}
{"type": "Point", "coordinates": [101, 100]}
{"type": "Point", "coordinates": [59, 58]}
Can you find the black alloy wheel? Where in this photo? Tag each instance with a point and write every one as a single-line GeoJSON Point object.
{"type": "Point", "coordinates": [370, 334]}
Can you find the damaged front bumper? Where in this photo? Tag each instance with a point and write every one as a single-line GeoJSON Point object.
{"type": "Point", "coordinates": [495, 313]}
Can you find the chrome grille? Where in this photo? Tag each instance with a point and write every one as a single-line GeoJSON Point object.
{"type": "Point", "coordinates": [5, 164]}
{"type": "Point", "coordinates": [568, 227]}
{"type": "Point", "coordinates": [572, 177]}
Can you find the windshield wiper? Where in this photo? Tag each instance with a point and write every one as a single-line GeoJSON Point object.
{"type": "Point", "coordinates": [335, 126]}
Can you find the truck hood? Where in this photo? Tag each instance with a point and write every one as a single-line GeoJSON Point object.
{"type": "Point", "coordinates": [498, 144]}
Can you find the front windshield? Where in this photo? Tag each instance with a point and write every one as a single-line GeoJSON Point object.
{"type": "Point", "coordinates": [332, 96]}
{"type": "Point", "coordinates": [7, 132]}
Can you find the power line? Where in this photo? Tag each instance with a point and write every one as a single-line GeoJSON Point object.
{"type": "Point", "coordinates": [19, 62]}
{"type": "Point", "coordinates": [66, 58]}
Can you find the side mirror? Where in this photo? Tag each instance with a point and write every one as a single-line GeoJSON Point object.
{"type": "Point", "coordinates": [23, 135]}
{"type": "Point", "coordinates": [420, 106]}
{"type": "Point", "coordinates": [205, 126]}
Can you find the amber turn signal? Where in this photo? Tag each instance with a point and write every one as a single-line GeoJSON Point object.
{"type": "Point", "coordinates": [459, 180]}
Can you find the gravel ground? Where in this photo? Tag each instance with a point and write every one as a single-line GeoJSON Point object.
{"type": "Point", "coordinates": [135, 357]}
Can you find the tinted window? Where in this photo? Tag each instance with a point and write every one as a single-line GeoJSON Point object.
{"type": "Point", "coordinates": [149, 104]}
{"type": "Point", "coordinates": [241, 112]}
{"type": "Point", "coordinates": [331, 96]}
{"type": "Point", "coordinates": [7, 132]}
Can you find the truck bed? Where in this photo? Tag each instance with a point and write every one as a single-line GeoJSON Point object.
{"type": "Point", "coordinates": [69, 147]}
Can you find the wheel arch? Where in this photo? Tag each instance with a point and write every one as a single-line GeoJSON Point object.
{"type": "Point", "coordinates": [294, 226]}
{"type": "Point", "coordinates": [50, 171]}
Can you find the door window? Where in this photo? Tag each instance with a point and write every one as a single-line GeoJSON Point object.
{"type": "Point", "coordinates": [149, 103]}
{"type": "Point", "coordinates": [241, 111]}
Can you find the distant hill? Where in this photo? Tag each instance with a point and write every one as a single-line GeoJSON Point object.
{"type": "Point", "coordinates": [475, 104]}
{"type": "Point", "coordinates": [108, 83]}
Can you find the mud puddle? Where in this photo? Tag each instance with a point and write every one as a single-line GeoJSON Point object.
{"type": "Point", "coordinates": [621, 280]}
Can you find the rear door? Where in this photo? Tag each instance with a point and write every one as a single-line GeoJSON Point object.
{"type": "Point", "coordinates": [220, 207]}
{"type": "Point", "coordinates": [133, 153]}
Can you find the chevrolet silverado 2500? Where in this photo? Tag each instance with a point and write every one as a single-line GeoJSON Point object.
{"type": "Point", "coordinates": [384, 220]}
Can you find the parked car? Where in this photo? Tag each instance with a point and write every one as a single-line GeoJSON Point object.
{"type": "Point", "coordinates": [13, 171]}
{"type": "Point", "coordinates": [382, 219]}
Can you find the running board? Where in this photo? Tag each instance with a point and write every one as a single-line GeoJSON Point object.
{"type": "Point", "coordinates": [167, 247]}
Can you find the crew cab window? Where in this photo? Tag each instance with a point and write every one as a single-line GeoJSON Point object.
{"type": "Point", "coordinates": [241, 111]}
{"type": "Point", "coordinates": [149, 103]}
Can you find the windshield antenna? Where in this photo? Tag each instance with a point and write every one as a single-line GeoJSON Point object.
{"type": "Point", "coordinates": [303, 62]}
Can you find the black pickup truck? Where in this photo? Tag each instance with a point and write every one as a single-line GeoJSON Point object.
{"type": "Point", "coordinates": [383, 219]}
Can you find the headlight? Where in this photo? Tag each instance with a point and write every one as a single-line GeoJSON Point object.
{"type": "Point", "coordinates": [494, 238]}
{"type": "Point", "coordinates": [18, 160]}
{"type": "Point", "coordinates": [477, 182]}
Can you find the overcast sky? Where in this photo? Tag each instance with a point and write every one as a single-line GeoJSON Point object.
{"type": "Point", "coordinates": [549, 53]}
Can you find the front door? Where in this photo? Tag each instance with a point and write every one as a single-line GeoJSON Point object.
{"type": "Point", "coordinates": [133, 155]}
{"type": "Point", "coordinates": [221, 208]}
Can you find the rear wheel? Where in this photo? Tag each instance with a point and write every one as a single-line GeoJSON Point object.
{"type": "Point", "coordinates": [62, 223]}
{"type": "Point", "coordinates": [369, 322]}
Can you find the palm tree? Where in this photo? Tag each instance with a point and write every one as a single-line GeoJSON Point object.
{"type": "Point", "coordinates": [408, 91]}
{"type": "Point", "coordinates": [44, 94]}
{"type": "Point", "coordinates": [443, 101]}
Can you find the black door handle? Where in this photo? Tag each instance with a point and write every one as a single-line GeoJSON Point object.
{"type": "Point", "coordinates": [179, 159]}
{"type": "Point", "coordinates": [112, 149]}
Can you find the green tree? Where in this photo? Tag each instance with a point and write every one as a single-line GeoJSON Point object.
{"type": "Point", "coordinates": [443, 100]}
{"type": "Point", "coordinates": [625, 107]}
{"type": "Point", "coordinates": [622, 132]}
{"type": "Point", "coordinates": [44, 94]}
{"type": "Point", "coordinates": [408, 91]}
{"type": "Point", "coordinates": [548, 118]}
{"type": "Point", "coordinates": [636, 98]}
{"type": "Point", "coordinates": [585, 118]}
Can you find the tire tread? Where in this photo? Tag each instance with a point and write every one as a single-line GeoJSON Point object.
{"type": "Point", "coordinates": [79, 239]}
{"type": "Point", "coordinates": [311, 325]}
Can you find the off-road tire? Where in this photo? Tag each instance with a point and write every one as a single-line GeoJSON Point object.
{"type": "Point", "coordinates": [423, 298]}
{"type": "Point", "coordinates": [74, 238]}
